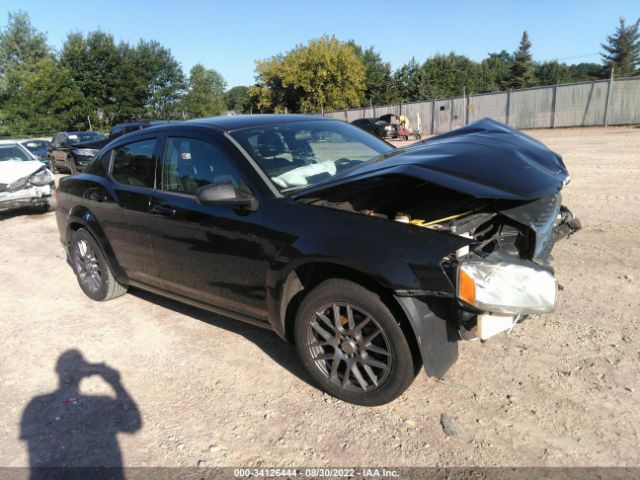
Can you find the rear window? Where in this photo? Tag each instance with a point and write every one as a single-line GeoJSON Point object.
{"type": "Point", "coordinates": [133, 164]}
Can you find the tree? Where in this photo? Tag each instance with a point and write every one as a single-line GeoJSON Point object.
{"type": "Point", "coordinates": [622, 50]}
{"type": "Point", "coordinates": [326, 73]}
{"type": "Point", "coordinates": [586, 71]}
{"type": "Point", "coordinates": [205, 96]}
{"type": "Point", "coordinates": [238, 99]}
{"type": "Point", "coordinates": [521, 72]}
{"type": "Point", "coordinates": [378, 79]}
{"type": "Point", "coordinates": [449, 75]}
{"type": "Point", "coordinates": [46, 101]}
{"type": "Point", "coordinates": [21, 45]}
{"type": "Point", "coordinates": [495, 70]}
{"type": "Point", "coordinates": [163, 78]}
{"type": "Point", "coordinates": [410, 84]}
{"type": "Point", "coordinates": [552, 73]}
{"type": "Point", "coordinates": [94, 63]}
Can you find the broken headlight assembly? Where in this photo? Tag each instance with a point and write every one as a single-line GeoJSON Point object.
{"type": "Point", "coordinates": [510, 288]}
{"type": "Point", "coordinates": [41, 178]}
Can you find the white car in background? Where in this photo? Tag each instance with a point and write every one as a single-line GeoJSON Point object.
{"type": "Point", "coordinates": [24, 181]}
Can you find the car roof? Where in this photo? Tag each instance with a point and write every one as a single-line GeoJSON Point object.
{"type": "Point", "coordinates": [237, 122]}
{"type": "Point", "coordinates": [142, 122]}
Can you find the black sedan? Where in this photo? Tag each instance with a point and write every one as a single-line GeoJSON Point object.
{"type": "Point", "coordinates": [372, 260]}
{"type": "Point", "coordinates": [68, 150]}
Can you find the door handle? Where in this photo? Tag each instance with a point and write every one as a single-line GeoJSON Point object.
{"type": "Point", "coordinates": [97, 196]}
{"type": "Point", "coordinates": [166, 210]}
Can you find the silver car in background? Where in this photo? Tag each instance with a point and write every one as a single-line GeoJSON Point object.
{"type": "Point", "coordinates": [24, 181]}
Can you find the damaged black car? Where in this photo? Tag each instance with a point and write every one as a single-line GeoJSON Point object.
{"type": "Point", "coordinates": [373, 261]}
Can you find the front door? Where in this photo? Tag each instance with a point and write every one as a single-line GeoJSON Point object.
{"type": "Point", "coordinates": [209, 253]}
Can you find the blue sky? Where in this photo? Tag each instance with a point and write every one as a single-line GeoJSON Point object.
{"type": "Point", "coordinates": [229, 35]}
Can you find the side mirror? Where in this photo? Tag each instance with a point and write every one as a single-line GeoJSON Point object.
{"type": "Point", "coordinates": [64, 144]}
{"type": "Point", "coordinates": [224, 193]}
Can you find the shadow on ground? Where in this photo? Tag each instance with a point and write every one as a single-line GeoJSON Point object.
{"type": "Point", "coordinates": [71, 435]}
{"type": "Point", "coordinates": [278, 350]}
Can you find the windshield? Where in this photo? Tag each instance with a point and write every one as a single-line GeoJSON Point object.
{"type": "Point", "coordinates": [33, 145]}
{"type": "Point", "coordinates": [13, 152]}
{"type": "Point", "coordinates": [83, 137]}
{"type": "Point", "coordinates": [298, 154]}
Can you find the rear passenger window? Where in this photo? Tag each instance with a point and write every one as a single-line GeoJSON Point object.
{"type": "Point", "coordinates": [190, 164]}
{"type": "Point", "coordinates": [133, 164]}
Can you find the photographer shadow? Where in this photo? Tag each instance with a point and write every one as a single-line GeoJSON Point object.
{"type": "Point", "coordinates": [71, 435]}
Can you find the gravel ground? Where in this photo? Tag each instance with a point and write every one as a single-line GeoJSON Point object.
{"type": "Point", "coordinates": [196, 389]}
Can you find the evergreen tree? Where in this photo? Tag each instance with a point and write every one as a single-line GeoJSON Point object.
{"type": "Point", "coordinates": [521, 73]}
{"type": "Point", "coordinates": [622, 50]}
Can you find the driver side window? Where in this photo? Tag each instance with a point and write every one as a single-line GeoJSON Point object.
{"type": "Point", "coordinates": [190, 163]}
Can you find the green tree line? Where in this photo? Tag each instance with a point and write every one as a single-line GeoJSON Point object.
{"type": "Point", "coordinates": [94, 81]}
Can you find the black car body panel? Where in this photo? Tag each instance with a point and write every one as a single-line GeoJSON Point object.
{"type": "Point", "coordinates": [254, 265]}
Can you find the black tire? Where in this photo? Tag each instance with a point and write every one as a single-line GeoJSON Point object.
{"type": "Point", "coordinates": [329, 357]}
{"type": "Point", "coordinates": [92, 271]}
{"type": "Point", "coordinates": [72, 166]}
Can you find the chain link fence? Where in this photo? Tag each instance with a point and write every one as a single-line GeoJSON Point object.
{"type": "Point", "coordinates": [602, 102]}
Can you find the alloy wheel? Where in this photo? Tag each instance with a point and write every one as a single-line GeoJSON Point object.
{"type": "Point", "coordinates": [349, 347]}
{"type": "Point", "coordinates": [87, 266]}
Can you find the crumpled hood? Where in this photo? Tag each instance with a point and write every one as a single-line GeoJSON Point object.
{"type": "Point", "coordinates": [485, 159]}
{"type": "Point", "coordinates": [13, 170]}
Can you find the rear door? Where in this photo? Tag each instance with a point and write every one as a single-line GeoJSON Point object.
{"type": "Point", "coordinates": [123, 212]}
{"type": "Point", "coordinates": [209, 253]}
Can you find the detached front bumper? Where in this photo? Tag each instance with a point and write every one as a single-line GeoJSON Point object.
{"type": "Point", "coordinates": [27, 197]}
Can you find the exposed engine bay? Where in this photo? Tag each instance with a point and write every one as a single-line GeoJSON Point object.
{"type": "Point", "coordinates": [524, 229]}
{"type": "Point", "coordinates": [502, 232]}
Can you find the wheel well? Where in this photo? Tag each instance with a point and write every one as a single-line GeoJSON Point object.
{"type": "Point", "coordinates": [306, 277]}
{"type": "Point", "coordinates": [73, 227]}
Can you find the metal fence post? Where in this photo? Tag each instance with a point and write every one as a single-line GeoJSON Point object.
{"type": "Point", "coordinates": [508, 106]}
{"type": "Point", "coordinates": [433, 116]}
{"type": "Point", "coordinates": [606, 105]}
{"type": "Point", "coordinates": [451, 116]}
{"type": "Point", "coordinates": [553, 106]}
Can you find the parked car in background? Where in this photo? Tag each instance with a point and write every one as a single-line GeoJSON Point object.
{"type": "Point", "coordinates": [380, 127]}
{"type": "Point", "coordinates": [371, 125]}
{"type": "Point", "coordinates": [120, 129]}
{"type": "Point", "coordinates": [24, 181]}
{"type": "Point", "coordinates": [371, 260]}
{"type": "Point", "coordinates": [73, 150]}
{"type": "Point", "coordinates": [124, 128]}
{"type": "Point", "coordinates": [40, 150]}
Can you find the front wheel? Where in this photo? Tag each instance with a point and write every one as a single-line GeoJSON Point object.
{"type": "Point", "coordinates": [351, 344]}
{"type": "Point", "coordinates": [72, 166]}
{"type": "Point", "coordinates": [94, 275]}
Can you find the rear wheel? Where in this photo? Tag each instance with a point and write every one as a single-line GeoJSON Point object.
{"type": "Point", "coordinates": [94, 275]}
{"type": "Point", "coordinates": [352, 345]}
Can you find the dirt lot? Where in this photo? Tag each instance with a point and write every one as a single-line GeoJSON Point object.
{"type": "Point", "coordinates": [560, 390]}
